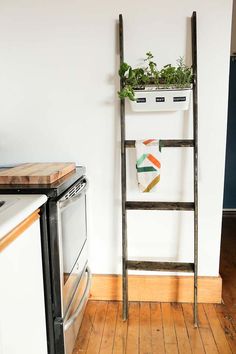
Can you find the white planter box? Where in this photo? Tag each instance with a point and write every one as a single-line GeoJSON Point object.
{"type": "Point", "coordinates": [161, 100]}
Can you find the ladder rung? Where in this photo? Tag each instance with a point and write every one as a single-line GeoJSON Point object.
{"type": "Point", "coordinates": [161, 266]}
{"type": "Point", "coordinates": [139, 205]}
{"type": "Point", "coordinates": [166, 143]}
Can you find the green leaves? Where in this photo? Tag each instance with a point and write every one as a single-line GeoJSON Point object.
{"type": "Point", "coordinates": [128, 92]}
{"type": "Point", "coordinates": [167, 77]}
{"type": "Point", "coordinates": [149, 56]}
{"type": "Point", "coordinates": [124, 68]}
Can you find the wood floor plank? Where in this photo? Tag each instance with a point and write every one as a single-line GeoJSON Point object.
{"type": "Point", "coordinates": [193, 333]}
{"type": "Point", "coordinates": [226, 311]}
{"type": "Point", "coordinates": [171, 348]}
{"type": "Point", "coordinates": [133, 329]}
{"type": "Point", "coordinates": [145, 335]}
{"type": "Point", "coordinates": [218, 333]}
{"type": "Point", "coordinates": [109, 328]}
{"type": "Point", "coordinates": [227, 323]}
{"type": "Point", "coordinates": [158, 346]}
{"type": "Point", "coordinates": [86, 328]}
{"type": "Point", "coordinates": [98, 326]}
{"type": "Point", "coordinates": [169, 329]}
{"type": "Point", "coordinates": [206, 332]}
{"type": "Point", "coordinates": [180, 329]}
{"type": "Point", "coordinates": [168, 324]}
{"type": "Point", "coordinates": [120, 333]}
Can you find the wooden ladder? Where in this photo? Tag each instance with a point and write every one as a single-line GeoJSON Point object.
{"type": "Point", "coordinates": [140, 205]}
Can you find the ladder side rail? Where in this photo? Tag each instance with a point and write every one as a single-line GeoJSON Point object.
{"type": "Point", "coordinates": [195, 136]}
{"type": "Point", "coordinates": [123, 182]}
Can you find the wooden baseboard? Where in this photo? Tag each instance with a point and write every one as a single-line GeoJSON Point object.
{"type": "Point", "coordinates": [157, 288]}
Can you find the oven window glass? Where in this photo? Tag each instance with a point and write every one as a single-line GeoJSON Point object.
{"type": "Point", "coordinates": [74, 233]}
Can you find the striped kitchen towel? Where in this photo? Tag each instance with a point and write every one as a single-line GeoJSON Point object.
{"type": "Point", "coordinates": [148, 164]}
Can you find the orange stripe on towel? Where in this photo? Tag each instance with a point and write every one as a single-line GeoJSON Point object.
{"type": "Point", "coordinates": [146, 142]}
{"type": "Point", "coordinates": [154, 160]}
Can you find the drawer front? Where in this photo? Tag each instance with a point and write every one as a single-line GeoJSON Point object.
{"type": "Point", "coordinates": [75, 313]}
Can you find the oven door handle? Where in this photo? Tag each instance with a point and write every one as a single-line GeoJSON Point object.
{"type": "Point", "coordinates": [70, 321]}
{"type": "Point", "coordinates": [65, 202]}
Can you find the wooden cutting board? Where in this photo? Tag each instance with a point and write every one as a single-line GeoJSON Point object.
{"type": "Point", "coordinates": [36, 173]}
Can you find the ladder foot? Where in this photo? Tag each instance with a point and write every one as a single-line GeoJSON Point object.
{"type": "Point", "coordinates": [125, 312]}
{"type": "Point", "coordinates": [125, 317]}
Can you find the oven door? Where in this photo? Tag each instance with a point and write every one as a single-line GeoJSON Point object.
{"type": "Point", "coordinates": [72, 227]}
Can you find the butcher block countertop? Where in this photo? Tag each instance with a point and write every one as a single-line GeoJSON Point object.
{"type": "Point", "coordinates": [36, 173]}
{"type": "Point", "coordinates": [52, 190]}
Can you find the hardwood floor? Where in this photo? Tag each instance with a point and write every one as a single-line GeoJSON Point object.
{"type": "Point", "coordinates": [155, 328]}
{"type": "Point", "coordinates": [166, 328]}
{"type": "Point", "coordinates": [228, 263]}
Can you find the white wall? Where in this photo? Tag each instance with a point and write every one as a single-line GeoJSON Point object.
{"type": "Point", "coordinates": [58, 86]}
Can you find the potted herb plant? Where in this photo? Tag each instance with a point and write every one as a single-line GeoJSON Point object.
{"type": "Point", "coordinates": [150, 89]}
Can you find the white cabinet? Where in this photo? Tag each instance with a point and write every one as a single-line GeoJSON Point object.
{"type": "Point", "coordinates": [22, 309]}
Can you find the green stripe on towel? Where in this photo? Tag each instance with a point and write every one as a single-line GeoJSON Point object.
{"type": "Point", "coordinates": [141, 159]}
{"type": "Point", "coordinates": [146, 169]}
